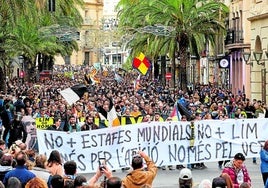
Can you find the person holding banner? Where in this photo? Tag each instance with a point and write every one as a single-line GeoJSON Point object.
{"type": "Point", "coordinates": [201, 165]}
{"type": "Point", "coordinates": [157, 117]}
{"type": "Point", "coordinates": [72, 125]}
{"type": "Point", "coordinates": [135, 111]}
{"type": "Point", "coordinates": [56, 126]}
{"type": "Point", "coordinates": [146, 118]}
{"type": "Point", "coordinates": [89, 124]}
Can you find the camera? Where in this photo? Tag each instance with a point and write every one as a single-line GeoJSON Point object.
{"type": "Point", "coordinates": [102, 164]}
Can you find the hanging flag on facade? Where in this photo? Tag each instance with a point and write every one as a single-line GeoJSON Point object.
{"type": "Point", "coordinates": [142, 64]}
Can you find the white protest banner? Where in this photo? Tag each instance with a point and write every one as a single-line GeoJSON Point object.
{"type": "Point", "coordinates": [167, 143]}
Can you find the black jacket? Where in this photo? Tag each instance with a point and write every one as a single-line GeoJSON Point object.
{"type": "Point", "coordinates": [17, 132]}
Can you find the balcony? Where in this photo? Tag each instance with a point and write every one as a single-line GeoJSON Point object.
{"type": "Point", "coordinates": [234, 39]}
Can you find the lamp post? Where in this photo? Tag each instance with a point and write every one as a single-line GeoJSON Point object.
{"type": "Point", "coordinates": [257, 54]}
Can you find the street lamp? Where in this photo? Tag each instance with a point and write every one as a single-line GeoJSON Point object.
{"type": "Point", "coordinates": [257, 57]}
{"type": "Point", "coordinates": [246, 57]}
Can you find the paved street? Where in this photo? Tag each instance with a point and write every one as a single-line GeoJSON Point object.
{"type": "Point", "coordinates": [169, 179]}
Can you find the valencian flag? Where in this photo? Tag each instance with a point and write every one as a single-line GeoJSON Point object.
{"type": "Point", "coordinates": [142, 64]}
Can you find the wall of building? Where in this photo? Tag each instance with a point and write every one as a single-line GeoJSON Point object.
{"type": "Point", "coordinates": [258, 18]}
{"type": "Point", "coordinates": [89, 41]}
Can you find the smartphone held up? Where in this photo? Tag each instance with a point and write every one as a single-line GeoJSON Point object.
{"type": "Point", "coordinates": [102, 164]}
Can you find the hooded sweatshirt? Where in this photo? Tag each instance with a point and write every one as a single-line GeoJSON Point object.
{"type": "Point", "coordinates": [139, 177]}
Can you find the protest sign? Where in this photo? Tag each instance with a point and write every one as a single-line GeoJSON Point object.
{"type": "Point", "coordinates": [43, 122]}
{"type": "Point", "coordinates": [167, 143]}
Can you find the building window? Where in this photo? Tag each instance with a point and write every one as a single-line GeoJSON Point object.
{"type": "Point", "coordinates": [106, 59]}
{"type": "Point", "coordinates": [67, 60]}
{"type": "Point", "coordinates": [86, 38]}
{"type": "Point", "coordinates": [86, 58]}
{"type": "Point", "coordinates": [116, 58]}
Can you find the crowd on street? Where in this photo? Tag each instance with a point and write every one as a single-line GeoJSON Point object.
{"type": "Point", "coordinates": [143, 99]}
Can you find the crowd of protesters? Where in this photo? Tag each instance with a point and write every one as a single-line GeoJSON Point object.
{"type": "Point", "coordinates": [145, 100]}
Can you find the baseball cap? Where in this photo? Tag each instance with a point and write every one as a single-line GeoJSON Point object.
{"type": "Point", "coordinates": [185, 174]}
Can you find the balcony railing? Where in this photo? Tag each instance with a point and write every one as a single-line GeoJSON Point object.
{"type": "Point", "coordinates": [234, 36]}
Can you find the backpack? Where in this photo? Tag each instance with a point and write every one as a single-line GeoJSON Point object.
{"type": "Point", "coordinates": [68, 181]}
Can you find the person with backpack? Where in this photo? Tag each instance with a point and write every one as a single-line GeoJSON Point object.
{"type": "Point", "coordinates": [69, 171]}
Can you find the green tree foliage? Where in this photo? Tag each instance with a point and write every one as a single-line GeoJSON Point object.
{"type": "Point", "coordinates": [22, 24]}
{"type": "Point", "coordinates": [161, 27]}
